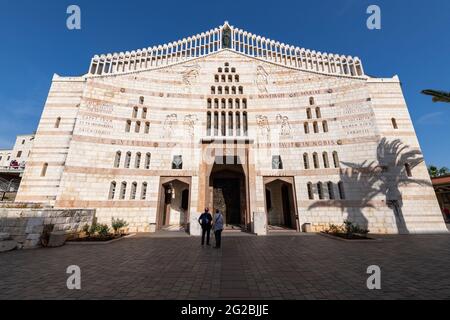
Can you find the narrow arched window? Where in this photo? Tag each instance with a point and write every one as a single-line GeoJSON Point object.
{"type": "Point", "coordinates": [219, 90]}
{"type": "Point", "coordinates": [209, 104]}
{"type": "Point", "coordinates": [320, 190]}
{"type": "Point", "coordinates": [236, 78]}
{"type": "Point", "coordinates": [336, 161]}
{"type": "Point", "coordinates": [213, 90]}
{"type": "Point", "coordinates": [316, 127]}
{"type": "Point", "coordinates": [112, 190]}
{"type": "Point", "coordinates": [133, 191]}
{"type": "Point", "coordinates": [216, 123]}
{"type": "Point", "coordinates": [316, 160]}
{"type": "Point", "coordinates": [223, 124]}
{"type": "Point", "coordinates": [408, 170]}
{"type": "Point", "coordinates": [117, 159]}
{"type": "Point", "coordinates": [224, 104]}
{"type": "Point", "coordinates": [141, 100]}
{"type": "Point", "coordinates": [237, 104]}
{"type": "Point", "coordinates": [326, 163]}
{"type": "Point", "coordinates": [216, 78]}
{"type": "Point", "coordinates": [233, 90]}
{"type": "Point", "coordinates": [223, 78]}
{"type": "Point", "coordinates": [227, 90]}
{"type": "Point", "coordinates": [233, 70]}
{"type": "Point", "coordinates": [128, 126]}
{"type": "Point", "coordinates": [230, 123]}
{"type": "Point", "coordinates": [137, 127]}
{"type": "Point", "coordinates": [306, 161]}
{"type": "Point", "coordinates": [244, 103]}
{"type": "Point", "coordinates": [147, 127]}
{"type": "Point", "coordinates": [230, 78]}
{"type": "Point", "coordinates": [216, 103]}
{"type": "Point", "coordinates": [147, 160]}
{"type": "Point", "coordinates": [208, 124]}
{"type": "Point", "coordinates": [127, 160]}
{"type": "Point", "coordinates": [325, 126]}
{"type": "Point", "coordinates": [57, 122]}
{"type": "Point", "coordinates": [137, 160]}
{"type": "Point", "coordinates": [341, 190]}
{"type": "Point", "coordinates": [44, 170]}
{"type": "Point", "coordinates": [318, 113]}
{"type": "Point", "coordinates": [230, 103]}
{"type": "Point", "coordinates": [311, 101]}
{"type": "Point", "coordinates": [241, 90]}
{"type": "Point", "coordinates": [144, 191]}
{"type": "Point", "coordinates": [245, 123]}
{"type": "Point", "coordinates": [144, 113]}
{"type": "Point", "coordinates": [330, 190]}
{"type": "Point", "coordinates": [308, 113]}
{"type": "Point", "coordinates": [394, 123]}
{"type": "Point", "coordinates": [135, 112]}
{"type": "Point", "coordinates": [310, 191]}
{"type": "Point", "coordinates": [306, 127]}
{"type": "Point", "coordinates": [238, 124]}
{"type": "Point", "coordinates": [123, 190]}
{"type": "Point", "coordinates": [219, 70]}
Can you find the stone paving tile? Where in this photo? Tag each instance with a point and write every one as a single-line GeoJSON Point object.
{"type": "Point", "coordinates": [274, 267]}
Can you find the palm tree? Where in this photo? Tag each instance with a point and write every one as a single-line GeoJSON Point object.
{"type": "Point", "coordinates": [438, 96]}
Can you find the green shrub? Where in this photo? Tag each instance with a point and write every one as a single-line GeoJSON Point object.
{"type": "Point", "coordinates": [86, 229]}
{"type": "Point", "coordinates": [118, 224]}
{"type": "Point", "coordinates": [103, 230]}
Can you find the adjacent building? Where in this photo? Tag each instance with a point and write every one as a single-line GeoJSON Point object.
{"type": "Point", "coordinates": [231, 120]}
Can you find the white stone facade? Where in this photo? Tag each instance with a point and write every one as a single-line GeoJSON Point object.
{"type": "Point", "coordinates": [20, 152]}
{"type": "Point", "coordinates": [317, 141]}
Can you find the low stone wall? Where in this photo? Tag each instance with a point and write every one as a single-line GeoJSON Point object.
{"type": "Point", "coordinates": [25, 225]}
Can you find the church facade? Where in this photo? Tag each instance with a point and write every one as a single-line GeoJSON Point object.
{"type": "Point", "coordinates": [230, 120]}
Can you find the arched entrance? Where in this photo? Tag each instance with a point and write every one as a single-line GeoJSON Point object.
{"type": "Point", "coordinates": [227, 185]}
{"type": "Point", "coordinates": [174, 203]}
{"type": "Point", "coordinates": [281, 207]}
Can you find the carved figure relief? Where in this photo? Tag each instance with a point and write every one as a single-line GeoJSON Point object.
{"type": "Point", "coordinates": [263, 125]}
{"type": "Point", "coordinates": [189, 124]}
{"type": "Point", "coordinates": [285, 127]}
{"type": "Point", "coordinates": [190, 74]}
{"type": "Point", "coordinates": [169, 124]}
{"type": "Point", "coordinates": [262, 79]}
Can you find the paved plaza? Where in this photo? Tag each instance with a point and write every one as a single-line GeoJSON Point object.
{"type": "Point", "coordinates": [247, 267]}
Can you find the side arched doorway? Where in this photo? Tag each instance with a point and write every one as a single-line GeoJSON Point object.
{"type": "Point", "coordinates": [281, 206]}
{"type": "Point", "coordinates": [174, 204]}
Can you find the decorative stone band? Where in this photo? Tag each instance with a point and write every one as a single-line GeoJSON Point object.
{"type": "Point", "coordinates": [225, 37]}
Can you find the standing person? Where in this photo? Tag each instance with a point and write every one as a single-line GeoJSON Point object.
{"type": "Point", "coordinates": [205, 221]}
{"type": "Point", "coordinates": [218, 228]}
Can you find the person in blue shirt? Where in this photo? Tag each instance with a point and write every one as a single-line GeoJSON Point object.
{"type": "Point", "coordinates": [218, 228]}
{"type": "Point", "coordinates": [205, 221]}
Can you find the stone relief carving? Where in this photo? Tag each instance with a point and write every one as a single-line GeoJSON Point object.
{"type": "Point", "coordinates": [262, 79]}
{"type": "Point", "coordinates": [189, 124]}
{"type": "Point", "coordinates": [169, 124]}
{"type": "Point", "coordinates": [285, 127]}
{"type": "Point", "coordinates": [190, 74]}
{"type": "Point", "coordinates": [263, 125]}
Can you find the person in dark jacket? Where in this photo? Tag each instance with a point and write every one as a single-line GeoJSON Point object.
{"type": "Point", "coordinates": [205, 221]}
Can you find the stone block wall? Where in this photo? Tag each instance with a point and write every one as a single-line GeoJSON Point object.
{"type": "Point", "coordinates": [25, 225]}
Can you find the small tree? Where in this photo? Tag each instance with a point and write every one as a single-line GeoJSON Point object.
{"type": "Point", "coordinates": [118, 224]}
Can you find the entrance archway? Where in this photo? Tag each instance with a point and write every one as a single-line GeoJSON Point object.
{"type": "Point", "coordinates": [227, 185]}
{"type": "Point", "coordinates": [280, 204]}
{"type": "Point", "coordinates": [174, 204]}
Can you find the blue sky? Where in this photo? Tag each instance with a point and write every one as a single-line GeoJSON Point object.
{"type": "Point", "coordinates": [413, 43]}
